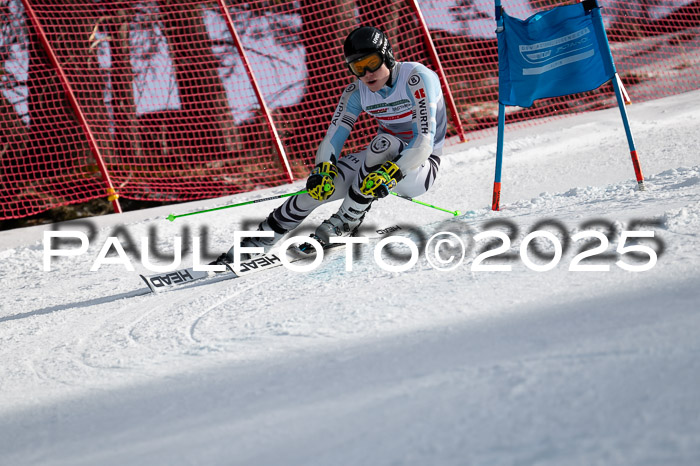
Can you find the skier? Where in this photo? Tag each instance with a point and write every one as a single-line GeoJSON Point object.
{"type": "Point", "coordinates": [406, 100]}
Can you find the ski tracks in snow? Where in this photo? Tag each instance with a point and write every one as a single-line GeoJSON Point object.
{"type": "Point", "coordinates": [135, 335]}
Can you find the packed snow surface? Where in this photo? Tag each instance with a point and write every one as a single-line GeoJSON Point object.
{"type": "Point", "coordinates": [369, 366]}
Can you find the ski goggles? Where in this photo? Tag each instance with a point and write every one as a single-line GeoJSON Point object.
{"type": "Point", "coordinates": [371, 63]}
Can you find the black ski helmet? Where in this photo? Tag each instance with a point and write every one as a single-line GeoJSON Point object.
{"type": "Point", "coordinates": [365, 40]}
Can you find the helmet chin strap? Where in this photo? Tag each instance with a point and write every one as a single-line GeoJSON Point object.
{"type": "Point", "coordinates": [393, 73]}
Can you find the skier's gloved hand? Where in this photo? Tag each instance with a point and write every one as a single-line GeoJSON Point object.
{"type": "Point", "coordinates": [379, 182]}
{"type": "Point", "coordinates": [320, 182]}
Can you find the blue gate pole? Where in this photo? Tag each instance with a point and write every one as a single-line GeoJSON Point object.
{"type": "Point", "coordinates": [628, 132]}
{"type": "Point", "coordinates": [496, 199]}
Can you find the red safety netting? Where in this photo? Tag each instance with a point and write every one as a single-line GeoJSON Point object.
{"type": "Point", "coordinates": [159, 92]}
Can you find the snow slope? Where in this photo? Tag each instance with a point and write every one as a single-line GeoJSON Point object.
{"type": "Point", "coordinates": [374, 367]}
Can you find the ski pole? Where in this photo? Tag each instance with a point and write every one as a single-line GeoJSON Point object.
{"type": "Point", "coordinates": [453, 212]}
{"type": "Point", "coordinates": [172, 217]}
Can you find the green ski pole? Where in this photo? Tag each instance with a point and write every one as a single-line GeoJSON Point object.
{"type": "Point", "coordinates": [172, 217]}
{"type": "Point", "coordinates": [453, 212]}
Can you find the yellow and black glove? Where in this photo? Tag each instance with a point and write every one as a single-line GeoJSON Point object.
{"type": "Point", "coordinates": [320, 182]}
{"type": "Point", "coordinates": [379, 182]}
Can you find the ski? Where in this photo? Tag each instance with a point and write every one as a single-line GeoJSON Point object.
{"type": "Point", "coordinates": [183, 277]}
{"type": "Point", "coordinates": [160, 281]}
{"type": "Point", "coordinates": [178, 278]}
{"type": "Point", "coordinates": [186, 277]}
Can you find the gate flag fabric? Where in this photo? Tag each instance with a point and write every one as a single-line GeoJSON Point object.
{"type": "Point", "coordinates": [554, 53]}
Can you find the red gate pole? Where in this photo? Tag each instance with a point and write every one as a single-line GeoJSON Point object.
{"type": "Point", "coordinates": [112, 195]}
{"type": "Point", "coordinates": [256, 89]}
{"type": "Point", "coordinates": [438, 69]}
